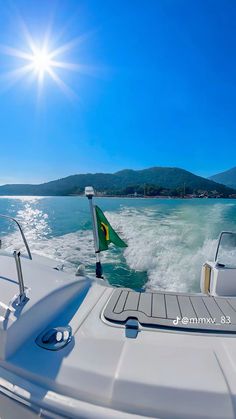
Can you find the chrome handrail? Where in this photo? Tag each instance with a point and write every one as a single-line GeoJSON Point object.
{"type": "Point", "coordinates": [21, 232]}
{"type": "Point", "coordinates": [21, 296]}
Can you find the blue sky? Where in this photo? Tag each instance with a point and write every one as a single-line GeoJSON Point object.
{"type": "Point", "coordinates": [158, 88]}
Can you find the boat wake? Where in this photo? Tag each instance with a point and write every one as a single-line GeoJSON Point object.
{"type": "Point", "coordinates": [168, 244]}
{"type": "Point", "coordinates": [171, 246]}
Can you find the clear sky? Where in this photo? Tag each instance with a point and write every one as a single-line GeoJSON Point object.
{"type": "Point", "coordinates": [156, 86]}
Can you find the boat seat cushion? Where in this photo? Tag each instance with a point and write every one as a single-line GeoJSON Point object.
{"type": "Point", "coordinates": [172, 310]}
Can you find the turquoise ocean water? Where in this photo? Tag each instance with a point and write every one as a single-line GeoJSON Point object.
{"type": "Point", "coordinates": [168, 240]}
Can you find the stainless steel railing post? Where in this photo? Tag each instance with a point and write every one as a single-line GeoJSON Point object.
{"type": "Point", "coordinates": [21, 232]}
{"type": "Point", "coordinates": [22, 294]}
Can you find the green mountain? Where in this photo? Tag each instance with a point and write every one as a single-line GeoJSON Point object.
{"type": "Point", "coordinates": [169, 178]}
{"type": "Point", "coordinates": [227, 178]}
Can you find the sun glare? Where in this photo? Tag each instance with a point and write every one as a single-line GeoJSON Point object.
{"type": "Point", "coordinates": [40, 62]}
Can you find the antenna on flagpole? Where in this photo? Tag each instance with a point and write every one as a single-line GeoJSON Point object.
{"type": "Point", "coordinates": [89, 192]}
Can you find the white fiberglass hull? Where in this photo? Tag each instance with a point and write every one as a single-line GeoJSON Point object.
{"type": "Point", "coordinates": [101, 371]}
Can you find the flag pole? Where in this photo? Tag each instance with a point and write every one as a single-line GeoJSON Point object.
{"type": "Point", "coordinates": [89, 192]}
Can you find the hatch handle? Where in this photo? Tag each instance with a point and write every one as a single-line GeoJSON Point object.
{"type": "Point", "coordinates": [132, 328]}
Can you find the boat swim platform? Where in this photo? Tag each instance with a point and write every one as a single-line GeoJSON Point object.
{"type": "Point", "coordinates": [192, 312]}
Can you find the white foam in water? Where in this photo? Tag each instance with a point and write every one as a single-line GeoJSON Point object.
{"type": "Point", "coordinates": [71, 249]}
{"type": "Point", "coordinates": [170, 244]}
{"type": "Point", "coordinates": [170, 248]}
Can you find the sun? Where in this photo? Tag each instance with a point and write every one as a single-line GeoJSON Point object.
{"type": "Point", "coordinates": [40, 61]}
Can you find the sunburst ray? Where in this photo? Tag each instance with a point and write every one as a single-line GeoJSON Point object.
{"type": "Point", "coordinates": [39, 60]}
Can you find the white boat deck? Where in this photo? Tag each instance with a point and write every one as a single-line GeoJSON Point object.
{"type": "Point", "coordinates": [119, 377]}
{"type": "Point", "coordinates": [165, 373]}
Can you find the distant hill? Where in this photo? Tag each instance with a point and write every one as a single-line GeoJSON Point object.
{"type": "Point", "coordinates": [227, 178]}
{"type": "Point", "coordinates": [170, 178]}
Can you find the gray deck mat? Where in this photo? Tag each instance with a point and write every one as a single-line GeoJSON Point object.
{"type": "Point", "coordinates": [159, 309]}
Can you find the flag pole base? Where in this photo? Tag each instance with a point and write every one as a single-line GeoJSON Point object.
{"type": "Point", "coordinates": [99, 270]}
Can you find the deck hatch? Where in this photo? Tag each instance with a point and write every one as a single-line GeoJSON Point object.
{"type": "Point", "coordinates": [167, 309]}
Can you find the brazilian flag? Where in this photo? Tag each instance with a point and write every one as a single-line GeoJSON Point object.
{"type": "Point", "coordinates": [106, 234]}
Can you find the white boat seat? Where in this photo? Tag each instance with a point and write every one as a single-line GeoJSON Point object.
{"type": "Point", "coordinates": [160, 310]}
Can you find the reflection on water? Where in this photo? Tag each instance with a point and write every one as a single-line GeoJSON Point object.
{"type": "Point", "coordinates": [34, 222]}
{"type": "Point", "coordinates": [71, 249]}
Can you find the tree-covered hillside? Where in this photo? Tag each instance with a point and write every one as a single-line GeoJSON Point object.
{"type": "Point", "coordinates": [167, 178]}
{"type": "Point", "coordinates": [227, 178]}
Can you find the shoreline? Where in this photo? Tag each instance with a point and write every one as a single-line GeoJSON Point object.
{"type": "Point", "coordinates": [160, 197]}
